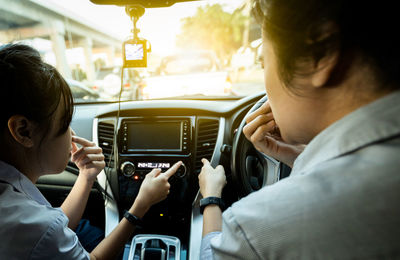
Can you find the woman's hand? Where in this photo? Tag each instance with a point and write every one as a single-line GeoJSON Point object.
{"type": "Point", "coordinates": [155, 187]}
{"type": "Point", "coordinates": [89, 158]}
{"type": "Point", "coordinates": [263, 132]}
{"type": "Point", "coordinates": [211, 180]}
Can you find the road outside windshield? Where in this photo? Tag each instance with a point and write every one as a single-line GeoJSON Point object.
{"type": "Point", "coordinates": [199, 50]}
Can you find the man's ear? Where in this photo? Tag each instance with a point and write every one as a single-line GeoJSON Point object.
{"type": "Point", "coordinates": [323, 69]}
{"type": "Point", "coordinates": [21, 129]}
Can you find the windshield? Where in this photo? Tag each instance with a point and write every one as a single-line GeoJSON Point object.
{"type": "Point", "coordinates": [202, 49]}
{"type": "Point", "coordinates": [186, 64]}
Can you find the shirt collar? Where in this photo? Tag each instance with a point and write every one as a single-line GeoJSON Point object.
{"type": "Point", "coordinates": [372, 123]}
{"type": "Point", "coordinates": [21, 183]}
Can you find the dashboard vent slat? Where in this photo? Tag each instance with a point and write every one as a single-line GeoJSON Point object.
{"type": "Point", "coordinates": [207, 133]}
{"type": "Point", "coordinates": [106, 141]}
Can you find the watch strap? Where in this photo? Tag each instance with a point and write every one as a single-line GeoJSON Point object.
{"type": "Point", "coordinates": [211, 201]}
{"type": "Point", "coordinates": [133, 219]}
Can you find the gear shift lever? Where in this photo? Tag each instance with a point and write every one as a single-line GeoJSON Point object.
{"type": "Point", "coordinates": [152, 246]}
{"type": "Point", "coordinates": [154, 249]}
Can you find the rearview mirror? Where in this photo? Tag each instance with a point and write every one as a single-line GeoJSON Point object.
{"type": "Point", "coordinates": [144, 3]}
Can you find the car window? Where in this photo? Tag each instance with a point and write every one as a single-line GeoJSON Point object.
{"type": "Point", "coordinates": [217, 39]}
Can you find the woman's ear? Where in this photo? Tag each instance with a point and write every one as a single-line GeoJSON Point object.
{"type": "Point", "coordinates": [21, 129]}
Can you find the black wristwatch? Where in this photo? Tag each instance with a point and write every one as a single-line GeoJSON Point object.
{"type": "Point", "coordinates": [211, 200]}
{"type": "Point", "coordinates": [133, 219]}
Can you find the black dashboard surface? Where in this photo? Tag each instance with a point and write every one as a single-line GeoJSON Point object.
{"type": "Point", "coordinates": [82, 121]}
{"type": "Point", "coordinates": [212, 124]}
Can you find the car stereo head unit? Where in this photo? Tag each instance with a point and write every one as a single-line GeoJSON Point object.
{"type": "Point", "coordinates": [161, 136]}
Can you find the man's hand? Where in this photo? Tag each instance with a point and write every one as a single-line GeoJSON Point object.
{"type": "Point", "coordinates": [89, 158]}
{"type": "Point", "coordinates": [263, 132]}
{"type": "Point", "coordinates": [211, 180]}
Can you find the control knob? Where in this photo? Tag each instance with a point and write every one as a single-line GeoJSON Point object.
{"type": "Point", "coordinates": [128, 169]}
{"type": "Point", "coordinates": [181, 172]}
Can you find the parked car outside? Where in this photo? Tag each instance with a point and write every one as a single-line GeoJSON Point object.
{"type": "Point", "coordinates": [108, 82]}
{"type": "Point", "coordinates": [82, 93]}
{"type": "Point", "coordinates": [188, 73]}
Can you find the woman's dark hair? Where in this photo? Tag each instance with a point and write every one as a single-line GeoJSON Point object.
{"type": "Point", "coordinates": [364, 28]}
{"type": "Point", "coordinates": [32, 88]}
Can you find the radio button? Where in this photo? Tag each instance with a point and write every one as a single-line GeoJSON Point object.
{"type": "Point", "coordinates": [128, 169]}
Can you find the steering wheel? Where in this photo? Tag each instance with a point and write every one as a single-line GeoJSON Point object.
{"type": "Point", "coordinates": [251, 170]}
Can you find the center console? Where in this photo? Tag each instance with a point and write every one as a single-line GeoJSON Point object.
{"type": "Point", "coordinates": [145, 143]}
{"type": "Point", "coordinates": [137, 137]}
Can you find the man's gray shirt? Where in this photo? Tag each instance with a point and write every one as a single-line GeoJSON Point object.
{"type": "Point", "coordinates": [342, 199]}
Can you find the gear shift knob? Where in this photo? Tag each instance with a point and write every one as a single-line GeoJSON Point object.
{"type": "Point", "coordinates": [154, 249]}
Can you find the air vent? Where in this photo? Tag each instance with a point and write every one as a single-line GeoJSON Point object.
{"type": "Point", "coordinates": [207, 133]}
{"type": "Point", "coordinates": [106, 141]}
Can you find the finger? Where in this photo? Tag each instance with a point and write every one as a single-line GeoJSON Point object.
{"type": "Point", "coordinates": [220, 167]}
{"type": "Point", "coordinates": [84, 151]}
{"type": "Point", "coordinates": [82, 141]}
{"type": "Point", "coordinates": [77, 154]}
{"type": "Point", "coordinates": [260, 120]}
{"type": "Point", "coordinates": [205, 162]}
{"type": "Point", "coordinates": [92, 157]}
{"type": "Point", "coordinates": [73, 132]}
{"type": "Point", "coordinates": [272, 145]}
{"type": "Point", "coordinates": [74, 147]}
{"type": "Point", "coordinates": [96, 164]}
{"type": "Point", "coordinates": [171, 171]}
{"type": "Point", "coordinates": [93, 150]}
{"type": "Point", "coordinates": [264, 109]}
{"type": "Point", "coordinates": [155, 172]}
{"type": "Point", "coordinates": [262, 131]}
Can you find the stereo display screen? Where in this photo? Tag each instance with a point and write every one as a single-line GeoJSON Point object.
{"type": "Point", "coordinates": [154, 136]}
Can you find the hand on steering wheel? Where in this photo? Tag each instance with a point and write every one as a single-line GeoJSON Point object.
{"type": "Point", "coordinates": [264, 134]}
{"type": "Point", "coordinates": [259, 155]}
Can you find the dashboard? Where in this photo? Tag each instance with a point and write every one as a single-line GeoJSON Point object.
{"type": "Point", "coordinates": [137, 137]}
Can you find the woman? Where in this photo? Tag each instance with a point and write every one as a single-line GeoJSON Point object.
{"type": "Point", "coordinates": [332, 78]}
{"type": "Point", "coordinates": [36, 140]}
